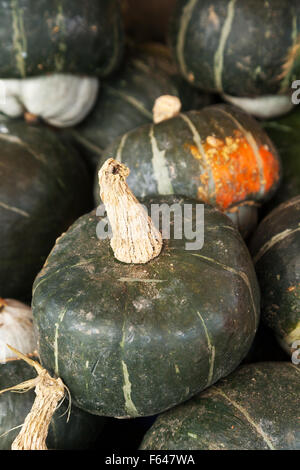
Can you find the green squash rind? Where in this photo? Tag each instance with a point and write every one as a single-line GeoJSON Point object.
{"type": "Point", "coordinates": [127, 98]}
{"type": "Point", "coordinates": [255, 408]}
{"type": "Point", "coordinates": [44, 188]}
{"type": "Point", "coordinates": [215, 45]}
{"type": "Point", "coordinates": [128, 348]}
{"type": "Point", "coordinates": [275, 247]}
{"type": "Point", "coordinates": [284, 133]}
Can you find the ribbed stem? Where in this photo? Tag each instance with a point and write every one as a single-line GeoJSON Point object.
{"type": "Point", "coordinates": [49, 392]}
{"type": "Point", "coordinates": [34, 431]}
{"type": "Point", "coordinates": [135, 238]}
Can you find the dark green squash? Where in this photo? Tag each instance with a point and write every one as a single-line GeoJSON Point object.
{"type": "Point", "coordinates": [255, 408]}
{"type": "Point", "coordinates": [218, 154]}
{"type": "Point", "coordinates": [126, 100]}
{"type": "Point", "coordinates": [216, 43]}
{"type": "Point", "coordinates": [275, 247]}
{"type": "Point", "coordinates": [59, 36]}
{"type": "Point", "coordinates": [285, 134]}
{"type": "Point", "coordinates": [80, 432]}
{"type": "Point", "coordinates": [133, 340]}
{"type": "Point", "coordinates": [44, 188]}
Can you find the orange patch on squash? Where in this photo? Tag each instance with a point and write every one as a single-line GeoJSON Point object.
{"type": "Point", "coordinates": [194, 151]}
{"type": "Point", "coordinates": [234, 169]}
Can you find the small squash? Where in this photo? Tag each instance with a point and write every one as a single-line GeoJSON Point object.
{"type": "Point", "coordinates": [44, 188]}
{"type": "Point", "coordinates": [16, 329]}
{"type": "Point", "coordinates": [215, 44]}
{"type": "Point", "coordinates": [132, 338]}
{"type": "Point", "coordinates": [255, 408]}
{"type": "Point", "coordinates": [126, 100]}
{"type": "Point", "coordinates": [52, 55]}
{"type": "Point", "coordinates": [219, 155]}
{"type": "Point", "coordinates": [275, 247]}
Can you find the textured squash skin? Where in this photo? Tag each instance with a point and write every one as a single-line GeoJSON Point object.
{"type": "Point", "coordinates": [255, 408]}
{"type": "Point", "coordinates": [44, 188]}
{"type": "Point", "coordinates": [215, 45]}
{"type": "Point", "coordinates": [284, 133]}
{"type": "Point", "coordinates": [126, 99]}
{"type": "Point", "coordinates": [79, 432]}
{"type": "Point", "coordinates": [172, 157]}
{"type": "Point", "coordinates": [134, 340]}
{"type": "Point", "coordinates": [275, 247]}
{"type": "Point", "coordinates": [83, 37]}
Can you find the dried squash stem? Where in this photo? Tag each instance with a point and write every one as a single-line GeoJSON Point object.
{"type": "Point", "coordinates": [49, 392]}
{"type": "Point", "coordinates": [166, 107]}
{"type": "Point", "coordinates": [135, 238]}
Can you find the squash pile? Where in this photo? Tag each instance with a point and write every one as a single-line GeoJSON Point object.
{"type": "Point", "coordinates": [172, 297]}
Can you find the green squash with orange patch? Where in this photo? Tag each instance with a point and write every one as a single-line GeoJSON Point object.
{"type": "Point", "coordinates": [219, 155]}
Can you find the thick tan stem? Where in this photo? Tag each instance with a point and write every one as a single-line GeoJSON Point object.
{"type": "Point", "coordinates": [49, 392]}
{"type": "Point", "coordinates": [34, 431]}
{"type": "Point", "coordinates": [166, 107]}
{"type": "Point", "coordinates": [135, 238]}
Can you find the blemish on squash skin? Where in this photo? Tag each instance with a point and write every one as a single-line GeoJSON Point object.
{"type": "Point", "coordinates": [194, 151]}
{"type": "Point", "coordinates": [90, 316]}
{"type": "Point", "coordinates": [129, 405]}
{"type": "Point", "coordinates": [235, 170]}
{"type": "Point", "coordinates": [132, 279]}
{"type": "Point", "coordinates": [141, 303]}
